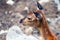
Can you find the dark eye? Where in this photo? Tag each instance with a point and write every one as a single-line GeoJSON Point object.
{"type": "Point", "coordinates": [29, 19]}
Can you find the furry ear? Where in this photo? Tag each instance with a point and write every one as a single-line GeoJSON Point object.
{"type": "Point", "coordinates": [37, 15]}
{"type": "Point", "coordinates": [39, 6]}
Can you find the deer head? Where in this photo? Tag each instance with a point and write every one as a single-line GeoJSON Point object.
{"type": "Point", "coordinates": [34, 17]}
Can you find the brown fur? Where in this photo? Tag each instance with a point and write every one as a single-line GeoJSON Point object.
{"type": "Point", "coordinates": [41, 24]}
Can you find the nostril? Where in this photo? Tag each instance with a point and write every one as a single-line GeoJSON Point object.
{"type": "Point", "coordinates": [21, 21]}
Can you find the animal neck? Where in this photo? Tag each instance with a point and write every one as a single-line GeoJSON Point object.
{"type": "Point", "coordinates": [45, 31]}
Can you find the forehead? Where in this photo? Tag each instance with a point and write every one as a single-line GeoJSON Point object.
{"type": "Point", "coordinates": [31, 14]}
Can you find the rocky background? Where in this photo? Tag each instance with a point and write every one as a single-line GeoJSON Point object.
{"type": "Point", "coordinates": [10, 14]}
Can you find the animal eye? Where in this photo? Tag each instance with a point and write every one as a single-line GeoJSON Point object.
{"type": "Point", "coordinates": [29, 19]}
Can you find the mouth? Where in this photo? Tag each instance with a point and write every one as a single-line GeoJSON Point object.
{"type": "Point", "coordinates": [24, 24]}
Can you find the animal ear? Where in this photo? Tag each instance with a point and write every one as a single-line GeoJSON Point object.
{"type": "Point", "coordinates": [37, 15]}
{"type": "Point", "coordinates": [39, 6]}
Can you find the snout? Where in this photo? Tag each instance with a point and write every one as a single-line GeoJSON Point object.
{"type": "Point", "coordinates": [21, 21]}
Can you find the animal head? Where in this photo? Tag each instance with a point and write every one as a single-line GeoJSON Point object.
{"type": "Point", "coordinates": [34, 18]}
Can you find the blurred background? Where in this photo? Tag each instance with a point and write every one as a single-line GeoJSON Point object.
{"type": "Point", "coordinates": [11, 11]}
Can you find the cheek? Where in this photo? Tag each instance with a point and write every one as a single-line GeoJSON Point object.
{"type": "Point", "coordinates": [32, 24]}
{"type": "Point", "coordinates": [28, 23]}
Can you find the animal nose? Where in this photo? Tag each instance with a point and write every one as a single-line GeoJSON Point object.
{"type": "Point", "coordinates": [21, 20]}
